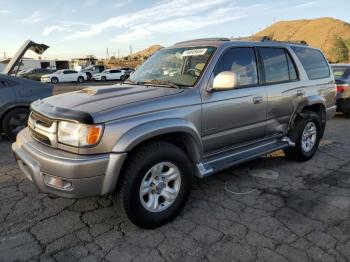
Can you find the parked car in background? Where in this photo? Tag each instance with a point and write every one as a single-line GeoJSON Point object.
{"type": "Point", "coordinates": [128, 71]}
{"type": "Point", "coordinates": [143, 141]}
{"type": "Point", "coordinates": [35, 73]}
{"type": "Point", "coordinates": [16, 95]}
{"type": "Point", "coordinates": [92, 70]}
{"type": "Point", "coordinates": [110, 74]}
{"type": "Point", "coordinates": [342, 79]}
{"type": "Point", "coordinates": [65, 75]}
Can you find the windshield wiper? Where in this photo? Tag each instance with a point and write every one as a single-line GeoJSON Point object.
{"type": "Point", "coordinates": [157, 82]}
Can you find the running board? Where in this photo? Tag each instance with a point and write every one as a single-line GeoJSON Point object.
{"type": "Point", "coordinates": [221, 161]}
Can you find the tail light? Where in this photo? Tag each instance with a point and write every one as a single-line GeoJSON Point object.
{"type": "Point", "coordinates": [341, 88]}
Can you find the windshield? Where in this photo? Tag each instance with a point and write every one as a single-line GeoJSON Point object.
{"type": "Point", "coordinates": [340, 72]}
{"type": "Point", "coordinates": [105, 72]}
{"type": "Point", "coordinates": [176, 66]}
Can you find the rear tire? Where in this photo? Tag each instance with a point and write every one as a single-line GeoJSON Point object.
{"type": "Point", "coordinates": [14, 121]}
{"type": "Point", "coordinates": [153, 165]}
{"type": "Point", "coordinates": [347, 114]}
{"type": "Point", "coordinates": [80, 79]}
{"type": "Point", "coordinates": [306, 135]}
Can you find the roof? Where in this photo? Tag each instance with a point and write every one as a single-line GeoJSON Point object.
{"type": "Point", "coordinates": [240, 41]}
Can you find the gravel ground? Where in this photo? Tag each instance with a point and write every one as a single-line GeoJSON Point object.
{"type": "Point", "coordinates": [286, 211]}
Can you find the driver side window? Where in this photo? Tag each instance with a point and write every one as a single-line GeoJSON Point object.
{"type": "Point", "coordinates": [242, 61]}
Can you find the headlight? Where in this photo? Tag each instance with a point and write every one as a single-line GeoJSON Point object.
{"type": "Point", "coordinates": [79, 135]}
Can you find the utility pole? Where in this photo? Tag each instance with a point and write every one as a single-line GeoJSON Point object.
{"type": "Point", "coordinates": [130, 50]}
{"type": "Point", "coordinates": [118, 53]}
{"type": "Point", "coordinates": [107, 54]}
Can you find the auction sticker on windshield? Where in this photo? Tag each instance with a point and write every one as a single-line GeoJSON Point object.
{"type": "Point", "coordinates": [195, 52]}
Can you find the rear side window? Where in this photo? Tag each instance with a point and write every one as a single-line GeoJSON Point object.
{"type": "Point", "coordinates": [275, 65]}
{"type": "Point", "coordinates": [242, 61]}
{"type": "Point", "coordinates": [313, 61]}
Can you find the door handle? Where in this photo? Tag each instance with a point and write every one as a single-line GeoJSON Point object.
{"type": "Point", "coordinates": [300, 92]}
{"type": "Point", "coordinates": [258, 100]}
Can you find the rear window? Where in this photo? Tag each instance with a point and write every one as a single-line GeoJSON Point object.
{"type": "Point", "coordinates": [313, 61]}
{"type": "Point", "coordinates": [340, 72]}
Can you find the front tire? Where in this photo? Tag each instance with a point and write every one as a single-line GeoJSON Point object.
{"type": "Point", "coordinates": [122, 78]}
{"type": "Point", "coordinates": [54, 80]}
{"type": "Point", "coordinates": [103, 78]}
{"type": "Point", "coordinates": [14, 121]}
{"type": "Point", "coordinates": [306, 135]}
{"type": "Point", "coordinates": [155, 186]}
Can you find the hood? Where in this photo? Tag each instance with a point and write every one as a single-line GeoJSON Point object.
{"type": "Point", "coordinates": [87, 104]}
{"type": "Point", "coordinates": [28, 45]}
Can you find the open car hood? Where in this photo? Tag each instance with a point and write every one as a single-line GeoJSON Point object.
{"type": "Point", "coordinates": [28, 45]}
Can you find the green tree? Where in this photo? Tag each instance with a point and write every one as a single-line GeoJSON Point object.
{"type": "Point", "coordinates": [340, 51]}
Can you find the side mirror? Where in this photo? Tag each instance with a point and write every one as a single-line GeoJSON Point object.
{"type": "Point", "coordinates": [226, 80]}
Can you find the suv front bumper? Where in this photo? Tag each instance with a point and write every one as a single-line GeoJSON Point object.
{"type": "Point", "coordinates": [87, 175]}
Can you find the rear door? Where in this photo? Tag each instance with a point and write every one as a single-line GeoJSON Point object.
{"type": "Point", "coordinates": [235, 116]}
{"type": "Point", "coordinates": [115, 74]}
{"type": "Point", "coordinates": [282, 86]}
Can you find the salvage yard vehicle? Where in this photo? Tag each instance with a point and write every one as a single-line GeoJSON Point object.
{"type": "Point", "coordinates": [110, 74]}
{"type": "Point", "coordinates": [16, 95]}
{"type": "Point", "coordinates": [35, 73]}
{"type": "Point", "coordinates": [192, 109]}
{"type": "Point", "coordinates": [65, 75]}
{"type": "Point", "coordinates": [342, 79]}
{"type": "Point", "coordinates": [92, 70]}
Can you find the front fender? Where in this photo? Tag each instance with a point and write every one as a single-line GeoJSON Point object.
{"type": "Point", "coordinates": [145, 131]}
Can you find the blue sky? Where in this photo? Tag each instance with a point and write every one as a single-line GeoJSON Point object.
{"type": "Point", "coordinates": [81, 27]}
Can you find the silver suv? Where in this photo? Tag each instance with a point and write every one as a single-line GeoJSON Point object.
{"type": "Point", "coordinates": [192, 109]}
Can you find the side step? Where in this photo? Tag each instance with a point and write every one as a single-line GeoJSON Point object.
{"type": "Point", "coordinates": [221, 161]}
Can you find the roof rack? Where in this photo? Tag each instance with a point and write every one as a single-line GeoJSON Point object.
{"type": "Point", "coordinates": [269, 39]}
{"type": "Point", "coordinates": [204, 39]}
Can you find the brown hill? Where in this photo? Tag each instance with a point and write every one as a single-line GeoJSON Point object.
{"type": "Point", "coordinates": [147, 52]}
{"type": "Point", "coordinates": [324, 33]}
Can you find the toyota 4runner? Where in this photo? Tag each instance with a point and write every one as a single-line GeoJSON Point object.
{"type": "Point", "coordinates": [192, 109]}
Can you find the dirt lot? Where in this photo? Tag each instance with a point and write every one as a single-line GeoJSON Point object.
{"type": "Point", "coordinates": [287, 212]}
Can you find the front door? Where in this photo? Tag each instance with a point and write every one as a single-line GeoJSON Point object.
{"type": "Point", "coordinates": [236, 116]}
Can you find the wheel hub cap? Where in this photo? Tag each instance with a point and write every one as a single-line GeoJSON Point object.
{"type": "Point", "coordinates": [309, 137]}
{"type": "Point", "coordinates": [160, 187]}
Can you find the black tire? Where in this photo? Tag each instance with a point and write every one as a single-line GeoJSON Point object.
{"type": "Point", "coordinates": [347, 114]}
{"type": "Point", "coordinates": [103, 78]}
{"type": "Point", "coordinates": [88, 76]}
{"type": "Point", "coordinates": [54, 80]}
{"type": "Point", "coordinates": [122, 78]}
{"type": "Point", "coordinates": [80, 79]}
{"type": "Point", "coordinates": [127, 196]}
{"type": "Point", "coordinates": [296, 135]}
{"type": "Point", "coordinates": [14, 121]}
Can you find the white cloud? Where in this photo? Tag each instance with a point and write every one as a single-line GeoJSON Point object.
{"type": "Point", "coordinates": [36, 17]}
{"type": "Point", "coordinates": [90, 3]}
{"type": "Point", "coordinates": [307, 4]}
{"type": "Point", "coordinates": [167, 16]}
{"type": "Point", "coordinates": [120, 4]}
{"type": "Point", "coordinates": [4, 12]}
{"type": "Point", "coordinates": [51, 29]}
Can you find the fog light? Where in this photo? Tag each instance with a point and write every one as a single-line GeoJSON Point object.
{"type": "Point", "coordinates": [58, 183]}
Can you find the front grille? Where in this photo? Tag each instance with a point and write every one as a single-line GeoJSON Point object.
{"type": "Point", "coordinates": [41, 138]}
{"type": "Point", "coordinates": [42, 120]}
